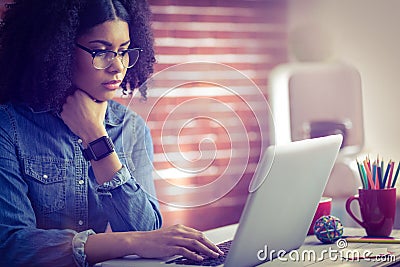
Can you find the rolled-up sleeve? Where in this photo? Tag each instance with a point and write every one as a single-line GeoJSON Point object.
{"type": "Point", "coordinates": [121, 177]}
{"type": "Point", "coordinates": [78, 247]}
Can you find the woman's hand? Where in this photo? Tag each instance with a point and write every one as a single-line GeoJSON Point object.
{"type": "Point", "coordinates": [165, 242]}
{"type": "Point", "coordinates": [84, 116]}
{"type": "Point", "coordinates": [175, 240]}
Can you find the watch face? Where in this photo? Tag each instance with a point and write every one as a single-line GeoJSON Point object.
{"type": "Point", "coordinates": [100, 148]}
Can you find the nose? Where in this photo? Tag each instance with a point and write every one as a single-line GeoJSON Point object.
{"type": "Point", "coordinates": [116, 65]}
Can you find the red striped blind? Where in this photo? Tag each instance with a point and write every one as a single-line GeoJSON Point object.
{"type": "Point", "coordinates": [207, 103]}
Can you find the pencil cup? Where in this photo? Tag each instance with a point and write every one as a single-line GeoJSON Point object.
{"type": "Point", "coordinates": [377, 208]}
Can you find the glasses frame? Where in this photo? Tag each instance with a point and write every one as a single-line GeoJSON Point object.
{"type": "Point", "coordinates": [95, 52]}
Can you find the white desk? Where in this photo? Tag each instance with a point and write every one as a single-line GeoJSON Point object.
{"type": "Point", "coordinates": [311, 244]}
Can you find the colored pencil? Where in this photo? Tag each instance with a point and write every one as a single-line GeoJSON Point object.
{"type": "Point", "coordinates": [369, 175]}
{"type": "Point", "coordinates": [380, 176]}
{"type": "Point", "coordinates": [361, 175]}
{"type": "Point", "coordinates": [364, 177]}
{"type": "Point", "coordinates": [395, 176]}
{"type": "Point", "coordinates": [375, 176]}
{"type": "Point", "coordinates": [390, 175]}
{"type": "Point", "coordinates": [382, 169]}
{"type": "Point", "coordinates": [386, 173]}
{"type": "Point", "coordinates": [383, 240]}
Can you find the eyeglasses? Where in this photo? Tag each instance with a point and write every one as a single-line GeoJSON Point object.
{"type": "Point", "coordinates": [102, 59]}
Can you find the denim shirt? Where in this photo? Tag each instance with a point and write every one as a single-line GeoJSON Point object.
{"type": "Point", "coordinates": [49, 198]}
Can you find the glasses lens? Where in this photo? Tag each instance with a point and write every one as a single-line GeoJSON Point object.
{"type": "Point", "coordinates": [130, 58]}
{"type": "Point", "coordinates": [103, 60]}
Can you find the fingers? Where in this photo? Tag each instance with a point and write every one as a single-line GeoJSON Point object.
{"type": "Point", "coordinates": [182, 251]}
{"type": "Point", "coordinates": [83, 116]}
{"type": "Point", "coordinates": [195, 241]}
{"type": "Point", "coordinates": [210, 245]}
{"type": "Point", "coordinates": [198, 246]}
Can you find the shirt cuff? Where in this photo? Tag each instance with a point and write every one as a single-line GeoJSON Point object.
{"type": "Point", "coordinates": [120, 177]}
{"type": "Point", "coordinates": [78, 247]}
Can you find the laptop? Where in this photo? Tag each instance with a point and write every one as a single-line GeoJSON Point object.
{"type": "Point", "coordinates": [283, 197]}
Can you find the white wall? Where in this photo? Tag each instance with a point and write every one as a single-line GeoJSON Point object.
{"type": "Point", "coordinates": [365, 33]}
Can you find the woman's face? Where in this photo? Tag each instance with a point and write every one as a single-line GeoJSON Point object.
{"type": "Point", "coordinates": [101, 84]}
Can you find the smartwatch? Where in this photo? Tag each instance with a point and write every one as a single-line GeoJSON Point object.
{"type": "Point", "coordinates": [98, 149]}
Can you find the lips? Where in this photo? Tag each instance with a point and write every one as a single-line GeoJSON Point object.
{"type": "Point", "coordinates": [112, 85]}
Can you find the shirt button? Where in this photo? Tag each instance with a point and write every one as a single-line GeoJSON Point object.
{"type": "Point", "coordinates": [79, 141]}
{"type": "Point", "coordinates": [81, 182]}
{"type": "Point", "coordinates": [60, 204]}
{"type": "Point", "coordinates": [80, 222]}
{"type": "Point", "coordinates": [45, 176]}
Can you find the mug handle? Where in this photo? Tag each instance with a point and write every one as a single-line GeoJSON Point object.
{"type": "Point", "coordinates": [349, 211]}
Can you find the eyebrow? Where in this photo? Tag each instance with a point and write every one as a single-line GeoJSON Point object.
{"type": "Point", "coordinates": [103, 42]}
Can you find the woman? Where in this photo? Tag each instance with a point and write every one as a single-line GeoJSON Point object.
{"type": "Point", "coordinates": [66, 170]}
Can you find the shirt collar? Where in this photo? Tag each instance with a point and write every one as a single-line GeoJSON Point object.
{"type": "Point", "coordinates": [114, 114]}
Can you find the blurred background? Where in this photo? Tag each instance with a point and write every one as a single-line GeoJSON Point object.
{"type": "Point", "coordinates": [248, 39]}
{"type": "Point", "coordinates": [205, 118]}
{"type": "Point", "coordinates": [257, 37]}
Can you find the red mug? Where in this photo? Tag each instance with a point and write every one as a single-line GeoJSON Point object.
{"type": "Point", "coordinates": [323, 209]}
{"type": "Point", "coordinates": [377, 208]}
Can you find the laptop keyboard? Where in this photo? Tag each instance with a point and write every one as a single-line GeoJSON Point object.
{"type": "Point", "coordinates": [208, 261]}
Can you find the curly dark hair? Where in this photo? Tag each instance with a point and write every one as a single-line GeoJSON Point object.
{"type": "Point", "coordinates": [37, 42]}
